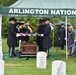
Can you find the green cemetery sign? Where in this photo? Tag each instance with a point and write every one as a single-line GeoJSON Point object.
{"type": "Point", "coordinates": [36, 12]}
{"type": "Point", "coordinates": [40, 8]}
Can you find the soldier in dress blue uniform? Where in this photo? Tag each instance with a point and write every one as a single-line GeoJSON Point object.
{"type": "Point", "coordinates": [46, 36]}
{"type": "Point", "coordinates": [61, 36]}
{"type": "Point", "coordinates": [11, 40]}
{"type": "Point", "coordinates": [40, 31]}
{"type": "Point", "coordinates": [44, 41]}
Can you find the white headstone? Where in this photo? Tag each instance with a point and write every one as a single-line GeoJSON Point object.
{"type": "Point", "coordinates": [0, 42]}
{"type": "Point", "coordinates": [1, 53]}
{"type": "Point", "coordinates": [41, 60]}
{"type": "Point", "coordinates": [1, 67]}
{"type": "Point", "coordinates": [0, 48]}
{"type": "Point", "coordinates": [0, 26]}
{"type": "Point", "coordinates": [58, 67]}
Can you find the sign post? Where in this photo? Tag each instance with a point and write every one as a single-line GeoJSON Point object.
{"type": "Point", "coordinates": [66, 39]}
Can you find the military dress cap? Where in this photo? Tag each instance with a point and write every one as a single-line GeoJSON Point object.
{"type": "Point", "coordinates": [12, 19]}
{"type": "Point", "coordinates": [47, 19]}
{"type": "Point", "coordinates": [18, 22]}
{"type": "Point", "coordinates": [41, 20]}
{"type": "Point", "coordinates": [26, 24]}
{"type": "Point", "coordinates": [22, 22]}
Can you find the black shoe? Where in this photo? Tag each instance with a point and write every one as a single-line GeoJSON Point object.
{"type": "Point", "coordinates": [12, 56]}
{"type": "Point", "coordinates": [27, 58]}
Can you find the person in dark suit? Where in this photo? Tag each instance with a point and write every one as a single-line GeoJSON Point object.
{"type": "Point", "coordinates": [61, 36]}
{"type": "Point", "coordinates": [11, 40]}
{"type": "Point", "coordinates": [46, 36]}
{"type": "Point", "coordinates": [44, 41]}
{"type": "Point", "coordinates": [25, 30]}
{"type": "Point", "coordinates": [40, 31]}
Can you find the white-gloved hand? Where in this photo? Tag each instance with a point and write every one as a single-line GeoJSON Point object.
{"type": "Point", "coordinates": [58, 38]}
{"type": "Point", "coordinates": [41, 35]}
{"type": "Point", "coordinates": [65, 38]}
{"type": "Point", "coordinates": [17, 35]}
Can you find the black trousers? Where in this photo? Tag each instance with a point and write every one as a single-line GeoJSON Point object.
{"type": "Point", "coordinates": [62, 47]}
{"type": "Point", "coordinates": [11, 51]}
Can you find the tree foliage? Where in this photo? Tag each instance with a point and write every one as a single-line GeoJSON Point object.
{"type": "Point", "coordinates": [6, 2]}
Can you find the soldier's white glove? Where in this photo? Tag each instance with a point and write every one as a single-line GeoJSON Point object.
{"type": "Point", "coordinates": [41, 35]}
{"type": "Point", "coordinates": [65, 38]}
{"type": "Point", "coordinates": [58, 38]}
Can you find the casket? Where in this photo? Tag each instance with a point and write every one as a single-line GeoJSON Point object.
{"type": "Point", "coordinates": [29, 48]}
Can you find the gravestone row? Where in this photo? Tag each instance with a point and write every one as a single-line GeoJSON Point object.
{"type": "Point", "coordinates": [58, 66]}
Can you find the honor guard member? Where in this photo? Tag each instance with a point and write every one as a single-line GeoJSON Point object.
{"type": "Point", "coordinates": [61, 36]}
{"type": "Point", "coordinates": [46, 36]}
{"type": "Point", "coordinates": [11, 40]}
{"type": "Point", "coordinates": [44, 41]}
{"type": "Point", "coordinates": [40, 30]}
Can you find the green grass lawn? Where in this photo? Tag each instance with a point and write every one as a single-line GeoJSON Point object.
{"type": "Point", "coordinates": [21, 66]}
